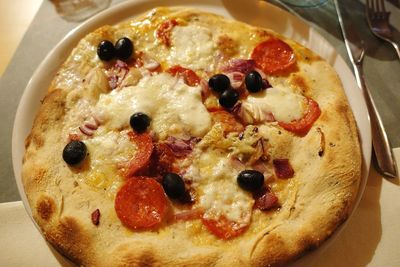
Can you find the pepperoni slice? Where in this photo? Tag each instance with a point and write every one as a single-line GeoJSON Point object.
{"type": "Point", "coordinates": [144, 144]}
{"type": "Point", "coordinates": [228, 121]}
{"type": "Point", "coordinates": [273, 56]}
{"type": "Point", "coordinates": [224, 228]}
{"type": "Point", "coordinates": [303, 125]}
{"type": "Point", "coordinates": [188, 75]}
{"type": "Point", "coordinates": [141, 203]}
{"type": "Point", "coordinates": [164, 31]}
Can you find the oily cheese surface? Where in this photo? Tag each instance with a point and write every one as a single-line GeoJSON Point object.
{"type": "Point", "coordinates": [312, 204]}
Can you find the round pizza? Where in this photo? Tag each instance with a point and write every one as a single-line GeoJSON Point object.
{"type": "Point", "coordinates": [182, 138]}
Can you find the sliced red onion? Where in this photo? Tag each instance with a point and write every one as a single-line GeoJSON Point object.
{"type": "Point", "coordinates": [86, 131]}
{"type": "Point", "coordinates": [239, 65]}
{"type": "Point", "coordinates": [121, 64]}
{"type": "Point", "coordinates": [151, 64]}
{"type": "Point", "coordinates": [91, 124]}
{"type": "Point", "coordinates": [181, 147]}
{"type": "Point", "coordinates": [236, 79]}
{"type": "Point", "coordinates": [205, 89]}
{"type": "Point", "coordinates": [189, 215]}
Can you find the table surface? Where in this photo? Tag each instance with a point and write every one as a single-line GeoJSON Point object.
{"type": "Point", "coordinates": [371, 235]}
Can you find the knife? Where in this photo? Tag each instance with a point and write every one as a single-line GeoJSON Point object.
{"type": "Point", "coordinates": [355, 49]}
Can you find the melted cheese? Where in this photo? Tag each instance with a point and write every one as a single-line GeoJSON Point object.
{"type": "Point", "coordinates": [214, 176]}
{"type": "Point", "coordinates": [279, 100]}
{"type": "Point", "coordinates": [174, 107]}
{"type": "Point", "coordinates": [192, 47]}
{"type": "Point", "coordinates": [106, 152]}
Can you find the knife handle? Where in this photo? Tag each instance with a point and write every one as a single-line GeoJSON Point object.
{"type": "Point", "coordinates": [383, 152]}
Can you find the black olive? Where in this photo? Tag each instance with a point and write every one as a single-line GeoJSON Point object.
{"type": "Point", "coordinates": [254, 82]}
{"type": "Point", "coordinates": [139, 122]}
{"type": "Point", "coordinates": [105, 50]}
{"type": "Point", "coordinates": [250, 180]}
{"type": "Point", "coordinates": [123, 48]}
{"type": "Point", "coordinates": [173, 185]}
{"type": "Point", "coordinates": [219, 83]}
{"type": "Point", "coordinates": [74, 152]}
{"type": "Point", "coordinates": [228, 98]}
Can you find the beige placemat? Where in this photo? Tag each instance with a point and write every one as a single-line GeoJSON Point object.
{"type": "Point", "coordinates": [369, 239]}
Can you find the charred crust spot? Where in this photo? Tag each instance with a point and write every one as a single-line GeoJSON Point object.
{"type": "Point", "coordinates": [45, 207]}
{"type": "Point", "coordinates": [70, 239]}
{"type": "Point", "coordinates": [146, 259]}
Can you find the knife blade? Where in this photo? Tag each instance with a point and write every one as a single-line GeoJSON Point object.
{"type": "Point", "coordinates": [386, 164]}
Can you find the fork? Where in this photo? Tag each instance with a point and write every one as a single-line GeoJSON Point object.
{"type": "Point", "coordinates": [378, 21]}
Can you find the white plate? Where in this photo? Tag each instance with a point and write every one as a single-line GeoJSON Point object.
{"type": "Point", "coordinates": [253, 12]}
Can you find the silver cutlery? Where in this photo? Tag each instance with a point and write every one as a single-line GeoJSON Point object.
{"type": "Point", "coordinates": [378, 21]}
{"type": "Point", "coordinates": [354, 46]}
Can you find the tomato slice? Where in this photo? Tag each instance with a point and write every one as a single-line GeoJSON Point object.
{"type": "Point", "coordinates": [189, 76]}
{"type": "Point", "coordinates": [273, 56]}
{"type": "Point", "coordinates": [164, 31]}
{"type": "Point", "coordinates": [228, 121]}
{"type": "Point", "coordinates": [224, 228]}
{"type": "Point", "coordinates": [144, 144]}
{"type": "Point", "coordinates": [141, 203]}
{"type": "Point", "coordinates": [303, 125]}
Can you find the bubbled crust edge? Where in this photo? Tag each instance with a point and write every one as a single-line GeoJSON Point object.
{"type": "Point", "coordinates": [277, 246]}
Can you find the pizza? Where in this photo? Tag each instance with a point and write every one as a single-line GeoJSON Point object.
{"type": "Point", "coordinates": [184, 138]}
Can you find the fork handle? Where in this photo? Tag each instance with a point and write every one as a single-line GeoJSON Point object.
{"type": "Point", "coordinates": [383, 152]}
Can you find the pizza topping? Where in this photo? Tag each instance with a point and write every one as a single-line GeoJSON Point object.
{"type": "Point", "coordinates": [224, 228]}
{"type": "Point", "coordinates": [188, 215]}
{"type": "Point", "coordinates": [303, 125]}
{"type": "Point", "coordinates": [95, 216]}
{"type": "Point", "coordinates": [189, 76]}
{"type": "Point", "coordinates": [250, 180]}
{"type": "Point", "coordinates": [141, 203]}
{"type": "Point", "coordinates": [181, 147]}
{"type": "Point", "coordinates": [173, 185]}
{"type": "Point", "coordinates": [164, 31]}
{"type": "Point", "coordinates": [273, 56]}
{"type": "Point", "coordinates": [193, 46]}
{"type": "Point", "coordinates": [254, 82]}
{"type": "Point", "coordinates": [283, 169]}
{"type": "Point", "coordinates": [74, 152]}
{"type": "Point", "coordinates": [123, 48]}
{"type": "Point", "coordinates": [228, 98]}
{"type": "Point", "coordinates": [219, 83]}
{"type": "Point", "coordinates": [144, 144]}
{"type": "Point", "coordinates": [227, 121]}
{"type": "Point", "coordinates": [279, 101]}
{"type": "Point", "coordinates": [173, 106]}
{"type": "Point", "coordinates": [105, 50]}
{"type": "Point", "coordinates": [265, 199]}
{"type": "Point", "coordinates": [239, 65]}
{"type": "Point", "coordinates": [117, 74]}
{"type": "Point", "coordinates": [236, 79]}
{"type": "Point", "coordinates": [139, 121]}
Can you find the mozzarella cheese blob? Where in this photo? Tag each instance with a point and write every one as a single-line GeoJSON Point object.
{"type": "Point", "coordinates": [192, 47]}
{"type": "Point", "coordinates": [214, 176]}
{"type": "Point", "coordinates": [284, 105]}
{"type": "Point", "coordinates": [173, 106]}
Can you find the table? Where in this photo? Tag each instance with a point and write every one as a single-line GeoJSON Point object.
{"type": "Point", "coordinates": [371, 235]}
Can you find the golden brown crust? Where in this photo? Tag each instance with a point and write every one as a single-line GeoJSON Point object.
{"type": "Point", "coordinates": [317, 202]}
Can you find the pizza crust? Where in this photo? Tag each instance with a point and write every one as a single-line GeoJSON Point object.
{"type": "Point", "coordinates": [319, 198]}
